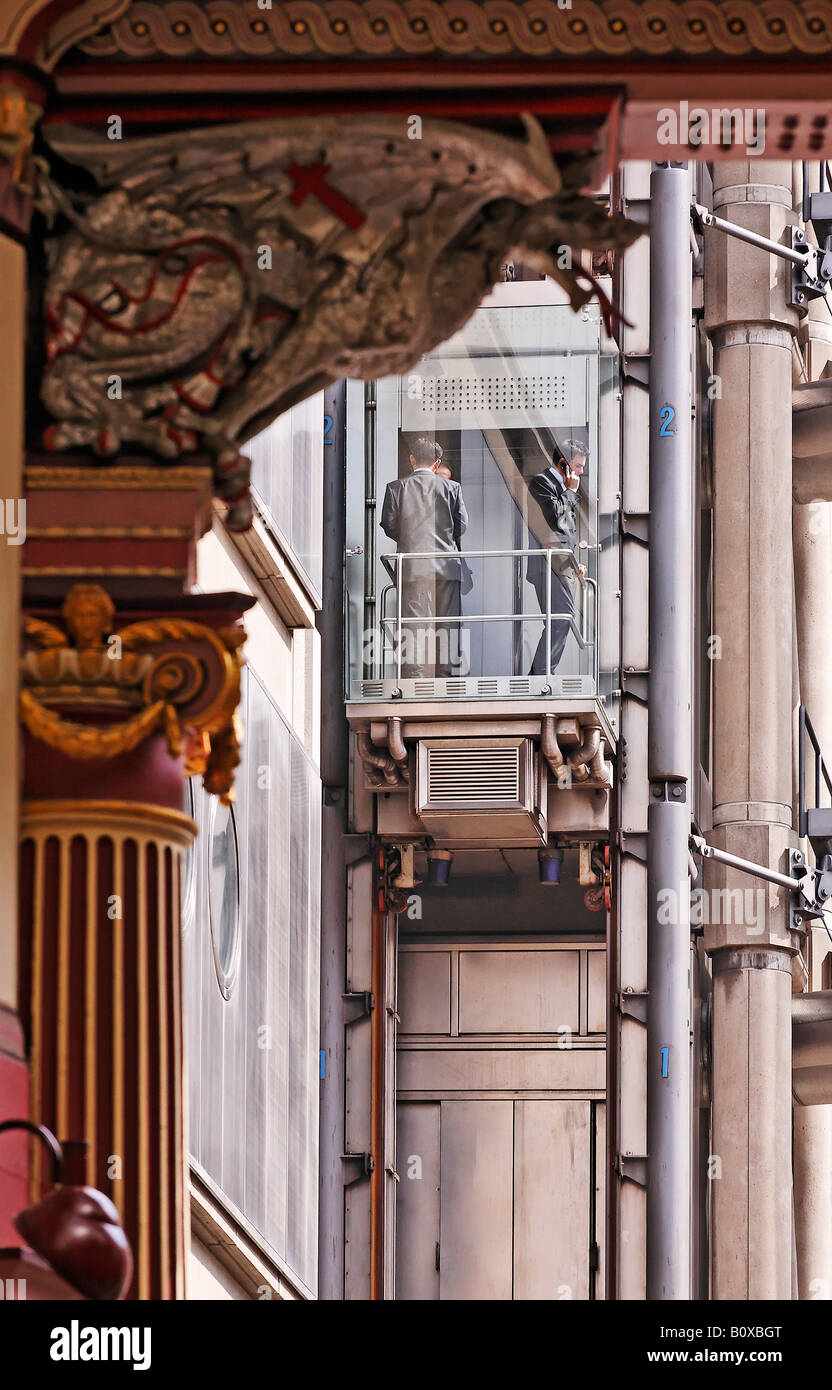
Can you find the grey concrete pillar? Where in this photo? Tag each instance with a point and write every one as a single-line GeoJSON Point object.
{"type": "Point", "coordinates": [812, 531]}
{"type": "Point", "coordinates": [751, 328]}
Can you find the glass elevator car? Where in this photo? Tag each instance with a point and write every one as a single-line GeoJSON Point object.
{"type": "Point", "coordinates": [460, 583]}
{"type": "Point", "coordinates": [482, 619]}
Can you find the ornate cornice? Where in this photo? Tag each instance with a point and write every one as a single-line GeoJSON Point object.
{"type": "Point", "coordinates": [599, 29]}
{"type": "Point", "coordinates": [40, 31]}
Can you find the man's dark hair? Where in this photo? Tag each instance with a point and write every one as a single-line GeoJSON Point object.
{"type": "Point", "coordinates": [426, 450]}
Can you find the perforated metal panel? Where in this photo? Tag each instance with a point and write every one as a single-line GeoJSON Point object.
{"type": "Point", "coordinates": [254, 1056]}
{"type": "Point", "coordinates": [456, 393]}
{"type": "Point", "coordinates": [287, 474]}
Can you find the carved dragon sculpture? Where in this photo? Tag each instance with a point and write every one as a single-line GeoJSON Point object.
{"type": "Point", "coordinates": [214, 278]}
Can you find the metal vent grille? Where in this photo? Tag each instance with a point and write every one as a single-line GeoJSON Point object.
{"type": "Point", "coordinates": [473, 688]}
{"type": "Point", "coordinates": [473, 776]}
{"type": "Point", "coordinates": [492, 395]}
{"type": "Point", "coordinates": [542, 388]}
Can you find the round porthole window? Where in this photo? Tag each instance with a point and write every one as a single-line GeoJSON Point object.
{"type": "Point", "coordinates": [224, 894]}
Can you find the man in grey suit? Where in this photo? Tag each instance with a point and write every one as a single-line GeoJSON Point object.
{"type": "Point", "coordinates": [426, 512]}
{"type": "Point", "coordinates": [556, 492]}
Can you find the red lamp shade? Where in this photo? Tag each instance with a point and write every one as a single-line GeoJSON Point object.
{"type": "Point", "coordinates": [77, 1230]}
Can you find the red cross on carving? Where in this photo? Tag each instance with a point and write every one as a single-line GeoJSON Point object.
{"type": "Point", "coordinates": [310, 181]}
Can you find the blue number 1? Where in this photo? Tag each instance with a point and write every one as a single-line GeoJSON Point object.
{"type": "Point", "coordinates": [666, 414]}
{"type": "Point", "coordinates": [665, 1051]}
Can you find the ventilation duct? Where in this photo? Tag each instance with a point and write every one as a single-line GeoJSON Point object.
{"type": "Point", "coordinates": [476, 791]}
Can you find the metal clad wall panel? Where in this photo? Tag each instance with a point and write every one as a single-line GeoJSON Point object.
{"type": "Point", "coordinates": [476, 1182]}
{"type": "Point", "coordinates": [486, 1069]}
{"type": "Point", "coordinates": [522, 1122]}
{"type": "Point", "coordinates": [254, 1057]}
{"type": "Point", "coordinates": [551, 1195]}
{"type": "Point", "coordinates": [235, 1032]}
{"type": "Point", "coordinates": [518, 991]}
{"type": "Point", "coordinates": [304, 1079]}
{"type": "Point", "coordinates": [600, 1197]}
{"type": "Point", "coordinates": [424, 1001]}
{"type": "Point", "coordinates": [417, 1202]}
{"type": "Point", "coordinates": [287, 475]}
{"type": "Point", "coordinates": [596, 991]}
{"type": "Point", "coordinates": [278, 856]}
{"type": "Point", "coordinates": [255, 977]}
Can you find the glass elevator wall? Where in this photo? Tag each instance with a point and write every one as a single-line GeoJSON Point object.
{"type": "Point", "coordinates": [482, 513]}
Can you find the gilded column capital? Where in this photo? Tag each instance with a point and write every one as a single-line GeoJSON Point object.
{"type": "Point", "coordinates": [166, 673]}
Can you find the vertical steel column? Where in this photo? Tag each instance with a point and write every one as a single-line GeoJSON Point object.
{"type": "Point", "coordinates": [669, 741]}
{"type": "Point", "coordinates": [371, 615]}
{"type": "Point", "coordinates": [334, 827]}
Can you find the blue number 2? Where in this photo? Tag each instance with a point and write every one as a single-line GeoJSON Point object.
{"type": "Point", "coordinates": [666, 414]}
{"type": "Point", "coordinates": [328, 423]}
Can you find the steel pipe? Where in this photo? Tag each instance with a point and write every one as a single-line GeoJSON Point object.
{"type": "Point", "coordinates": [670, 736]}
{"type": "Point", "coordinates": [382, 761]}
{"type": "Point", "coordinates": [395, 742]}
{"type": "Point", "coordinates": [549, 746]}
{"type": "Point", "coordinates": [812, 1048]}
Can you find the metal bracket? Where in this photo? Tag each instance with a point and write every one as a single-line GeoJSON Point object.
{"type": "Point", "coordinates": [634, 683]}
{"type": "Point", "coordinates": [810, 280]}
{"type": "Point", "coordinates": [637, 369]}
{"type": "Point", "coordinates": [634, 843]}
{"type": "Point", "coordinates": [635, 526]}
{"type": "Point", "coordinates": [632, 1168]}
{"type": "Point", "coordinates": [632, 1003]}
{"type": "Point", "coordinates": [810, 890]}
{"type": "Point", "coordinates": [637, 209]}
{"type": "Point", "coordinates": [364, 1002]}
{"type": "Point", "coordinates": [365, 1162]}
{"type": "Point", "coordinates": [356, 847]}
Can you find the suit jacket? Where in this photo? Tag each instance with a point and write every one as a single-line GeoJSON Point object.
{"type": "Point", "coordinates": [426, 512]}
{"type": "Point", "coordinates": [557, 503]}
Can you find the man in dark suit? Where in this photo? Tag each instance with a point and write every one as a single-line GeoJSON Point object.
{"type": "Point", "coordinates": [426, 512]}
{"type": "Point", "coordinates": [556, 491]}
